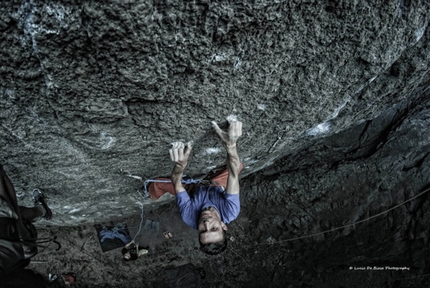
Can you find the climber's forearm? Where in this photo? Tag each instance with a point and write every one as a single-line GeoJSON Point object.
{"type": "Point", "coordinates": [233, 166]}
{"type": "Point", "coordinates": [176, 177]}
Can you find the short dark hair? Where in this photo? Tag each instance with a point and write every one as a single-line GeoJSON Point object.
{"type": "Point", "coordinates": [216, 247]}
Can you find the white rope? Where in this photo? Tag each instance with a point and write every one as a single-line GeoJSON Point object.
{"type": "Point", "coordinates": [145, 194]}
{"type": "Point", "coordinates": [347, 225]}
{"type": "Point", "coordinates": [142, 215]}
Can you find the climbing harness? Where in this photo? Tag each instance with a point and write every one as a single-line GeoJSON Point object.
{"type": "Point", "coordinates": [186, 181]}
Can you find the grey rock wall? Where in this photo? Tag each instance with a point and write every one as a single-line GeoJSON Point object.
{"type": "Point", "coordinates": [93, 92]}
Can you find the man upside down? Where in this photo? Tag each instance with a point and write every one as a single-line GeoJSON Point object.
{"type": "Point", "coordinates": [211, 207]}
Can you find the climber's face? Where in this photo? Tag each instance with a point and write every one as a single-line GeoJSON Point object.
{"type": "Point", "coordinates": [211, 228]}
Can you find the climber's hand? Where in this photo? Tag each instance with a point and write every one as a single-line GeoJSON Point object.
{"type": "Point", "coordinates": [179, 153]}
{"type": "Point", "coordinates": [229, 138]}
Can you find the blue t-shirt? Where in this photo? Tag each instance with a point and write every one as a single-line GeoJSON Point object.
{"type": "Point", "coordinates": [227, 205]}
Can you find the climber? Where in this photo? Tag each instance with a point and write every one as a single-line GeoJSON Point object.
{"type": "Point", "coordinates": [17, 234]}
{"type": "Point", "coordinates": [211, 207]}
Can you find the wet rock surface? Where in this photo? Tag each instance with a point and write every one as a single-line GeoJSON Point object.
{"type": "Point", "coordinates": [334, 98]}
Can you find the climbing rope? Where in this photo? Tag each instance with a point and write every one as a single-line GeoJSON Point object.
{"type": "Point", "coordinates": [347, 225]}
{"type": "Point", "coordinates": [47, 241]}
{"type": "Point", "coordinates": [145, 195]}
{"type": "Point", "coordinates": [142, 215]}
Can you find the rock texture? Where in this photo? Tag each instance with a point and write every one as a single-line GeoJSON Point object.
{"type": "Point", "coordinates": [334, 96]}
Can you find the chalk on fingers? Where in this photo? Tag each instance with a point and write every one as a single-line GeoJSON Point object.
{"type": "Point", "coordinates": [189, 144]}
{"type": "Point", "coordinates": [232, 118]}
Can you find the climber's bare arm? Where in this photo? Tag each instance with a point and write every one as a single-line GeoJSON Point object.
{"type": "Point", "coordinates": [229, 140]}
{"type": "Point", "coordinates": [179, 153]}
